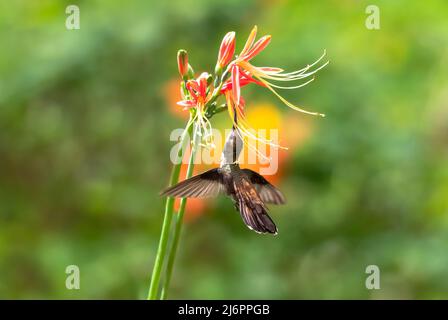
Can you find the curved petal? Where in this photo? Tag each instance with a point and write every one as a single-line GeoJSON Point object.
{"type": "Point", "coordinates": [236, 90]}
{"type": "Point", "coordinates": [259, 46]}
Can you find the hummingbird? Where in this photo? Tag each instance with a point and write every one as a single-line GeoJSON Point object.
{"type": "Point", "coordinates": [249, 190]}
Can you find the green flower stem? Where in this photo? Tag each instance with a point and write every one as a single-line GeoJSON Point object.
{"type": "Point", "coordinates": [169, 209]}
{"type": "Point", "coordinates": [217, 92]}
{"type": "Point", "coordinates": [164, 236]}
{"type": "Point", "coordinates": [179, 220]}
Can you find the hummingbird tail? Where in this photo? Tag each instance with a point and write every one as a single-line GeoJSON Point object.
{"type": "Point", "coordinates": [252, 209]}
{"type": "Point", "coordinates": [256, 218]}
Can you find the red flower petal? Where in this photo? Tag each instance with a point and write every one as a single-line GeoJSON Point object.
{"type": "Point", "coordinates": [257, 48]}
{"type": "Point", "coordinates": [250, 41]}
{"type": "Point", "coordinates": [227, 49]}
{"type": "Point", "coordinates": [236, 90]}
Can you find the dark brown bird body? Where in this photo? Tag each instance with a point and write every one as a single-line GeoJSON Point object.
{"type": "Point", "coordinates": [248, 189]}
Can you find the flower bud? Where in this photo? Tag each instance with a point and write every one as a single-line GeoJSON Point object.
{"type": "Point", "coordinates": [190, 72]}
{"type": "Point", "coordinates": [226, 50]}
{"type": "Point", "coordinates": [182, 63]}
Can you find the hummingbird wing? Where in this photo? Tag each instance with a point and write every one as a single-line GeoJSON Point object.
{"type": "Point", "coordinates": [267, 192]}
{"type": "Point", "coordinates": [204, 185]}
{"type": "Point", "coordinates": [251, 207]}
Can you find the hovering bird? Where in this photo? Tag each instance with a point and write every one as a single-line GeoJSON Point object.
{"type": "Point", "coordinates": [248, 189]}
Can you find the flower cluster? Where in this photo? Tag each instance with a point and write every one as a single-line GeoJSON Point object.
{"type": "Point", "coordinates": [232, 72]}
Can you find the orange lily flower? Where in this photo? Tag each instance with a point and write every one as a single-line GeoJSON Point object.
{"type": "Point", "coordinates": [263, 74]}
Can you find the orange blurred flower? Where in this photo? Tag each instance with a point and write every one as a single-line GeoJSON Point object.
{"type": "Point", "coordinates": [172, 95]}
{"type": "Point", "coordinates": [293, 130]}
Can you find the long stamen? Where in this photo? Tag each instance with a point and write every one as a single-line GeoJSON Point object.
{"type": "Point", "coordinates": [246, 129]}
{"type": "Point", "coordinates": [271, 70]}
{"type": "Point", "coordinates": [245, 134]}
{"type": "Point", "coordinates": [245, 140]}
{"type": "Point", "coordinates": [293, 87]}
{"type": "Point", "coordinates": [250, 41]}
{"type": "Point", "coordinates": [280, 76]}
{"type": "Point", "coordinates": [289, 104]}
{"type": "Point", "coordinates": [310, 65]}
{"type": "Point", "coordinates": [304, 75]}
{"type": "Point", "coordinates": [203, 127]}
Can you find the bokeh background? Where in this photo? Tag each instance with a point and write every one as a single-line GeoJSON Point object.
{"type": "Point", "coordinates": [85, 118]}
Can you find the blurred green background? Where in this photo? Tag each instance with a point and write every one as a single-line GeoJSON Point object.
{"type": "Point", "coordinates": [84, 150]}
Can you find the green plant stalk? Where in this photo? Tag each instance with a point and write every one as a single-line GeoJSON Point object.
{"type": "Point", "coordinates": [169, 210]}
{"type": "Point", "coordinates": [161, 252]}
{"type": "Point", "coordinates": [179, 221]}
